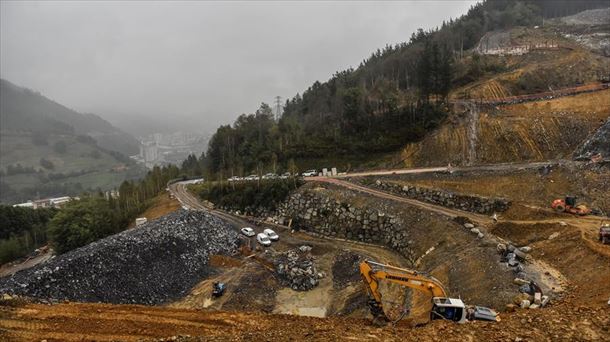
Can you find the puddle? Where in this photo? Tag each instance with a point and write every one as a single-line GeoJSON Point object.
{"type": "Point", "coordinates": [312, 303]}
{"type": "Point", "coordinates": [207, 302]}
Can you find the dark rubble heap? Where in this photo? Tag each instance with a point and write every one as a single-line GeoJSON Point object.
{"type": "Point", "coordinates": [151, 264]}
{"type": "Point", "coordinates": [296, 269]}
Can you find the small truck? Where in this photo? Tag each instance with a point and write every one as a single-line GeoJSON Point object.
{"type": "Point", "coordinates": [218, 289]}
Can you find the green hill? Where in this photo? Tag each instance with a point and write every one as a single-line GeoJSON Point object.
{"type": "Point", "coordinates": [47, 149]}
{"type": "Point", "coordinates": [22, 109]}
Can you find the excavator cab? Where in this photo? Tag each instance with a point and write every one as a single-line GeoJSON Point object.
{"type": "Point", "coordinates": [570, 201]}
{"type": "Point", "coordinates": [451, 309]}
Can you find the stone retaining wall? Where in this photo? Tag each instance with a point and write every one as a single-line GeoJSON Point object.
{"type": "Point", "coordinates": [475, 204]}
{"type": "Point", "coordinates": [320, 214]}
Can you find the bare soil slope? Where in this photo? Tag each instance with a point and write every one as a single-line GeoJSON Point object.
{"type": "Point", "coordinates": [531, 131]}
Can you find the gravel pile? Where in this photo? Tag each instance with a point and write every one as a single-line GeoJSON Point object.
{"type": "Point", "coordinates": [151, 264]}
{"type": "Point", "coordinates": [296, 269]}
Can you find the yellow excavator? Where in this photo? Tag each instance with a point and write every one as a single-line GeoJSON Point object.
{"type": "Point", "coordinates": [443, 307]}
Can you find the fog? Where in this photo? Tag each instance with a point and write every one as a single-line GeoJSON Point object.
{"type": "Point", "coordinates": [195, 64]}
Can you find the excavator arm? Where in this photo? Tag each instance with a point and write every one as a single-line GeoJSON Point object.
{"type": "Point", "coordinates": [373, 272]}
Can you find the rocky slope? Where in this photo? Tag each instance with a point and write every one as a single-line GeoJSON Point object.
{"type": "Point", "coordinates": [151, 264]}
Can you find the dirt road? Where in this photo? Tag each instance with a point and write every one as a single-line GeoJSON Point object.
{"type": "Point", "coordinates": [104, 322]}
{"type": "Point", "coordinates": [493, 167]}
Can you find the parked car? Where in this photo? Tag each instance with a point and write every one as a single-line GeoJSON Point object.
{"type": "Point", "coordinates": [271, 234]}
{"type": "Point", "coordinates": [263, 239]}
{"type": "Point", "coordinates": [310, 173]}
{"type": "Point", "coordinates": [252, 178]}
{"type": "Point", "coordinates": [247, 231]}
{"type": "Point", "coordinates": [270, 176]}
{"type": "Point", "coordinates": [233, 179]}
{"type": "Point", "coordinates": [285, 175]}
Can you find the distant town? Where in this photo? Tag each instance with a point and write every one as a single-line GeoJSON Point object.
{"type": "Point", "coordinates": [169, 148]}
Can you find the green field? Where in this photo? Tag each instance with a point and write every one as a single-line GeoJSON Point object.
{"type": "Point", "coordinates": [83, 166]}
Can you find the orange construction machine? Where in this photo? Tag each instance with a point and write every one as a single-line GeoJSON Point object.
{"type": "Point", "coordinates": [569, 205]}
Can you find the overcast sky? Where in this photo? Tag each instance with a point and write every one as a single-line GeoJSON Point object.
{"type": "Point", "coordinates": [207, 60]}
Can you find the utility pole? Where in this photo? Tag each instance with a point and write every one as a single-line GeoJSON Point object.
{"type": "Point", "coordinates": [278, 107]}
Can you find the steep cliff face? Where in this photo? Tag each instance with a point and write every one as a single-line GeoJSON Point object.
{"type": "Point", "coordinates": [529, 131]}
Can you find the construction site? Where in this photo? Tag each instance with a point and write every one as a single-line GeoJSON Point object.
{"type": "Point", "coordinates": [495, 227]}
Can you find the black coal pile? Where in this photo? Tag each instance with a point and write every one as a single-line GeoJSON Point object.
{"type": "Point", "coordinates": [151, 264]}
{"type": "Point", "coordinates": [597, 146]}
{"type": "Point", "coordinates": [296, 269]}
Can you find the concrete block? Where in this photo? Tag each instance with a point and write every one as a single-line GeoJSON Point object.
{"type": "Point", "coordinates": [525, 304]}
{"type": "Point", "coordinates": [519, 254]}
{"type": "Point", "coordinates": [475, 231]}
{"type": "Point", "coordinates": [480, 235]}
{"type": "Point", "coordinates": [468, 225]}
{"type": "Point", "coordinates": [519, 281]}
{"type": "Point", "coordinates": [333, 171]}
{"type": "Point", "coordinates": [537, 298]}
{"type": "Point", "coordinates": [525, 249]}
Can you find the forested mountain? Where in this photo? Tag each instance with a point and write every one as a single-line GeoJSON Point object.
{"type": "Point", "coordinates": [395, 96]}
{"type": "Point", "coordinates": [22, 109]}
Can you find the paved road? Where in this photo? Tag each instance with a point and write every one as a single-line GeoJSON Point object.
{"type": "Point", "coordinates": [492, 167]}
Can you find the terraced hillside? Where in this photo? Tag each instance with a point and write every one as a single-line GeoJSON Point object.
{"type": "Point", "coordinates": [529, 131]}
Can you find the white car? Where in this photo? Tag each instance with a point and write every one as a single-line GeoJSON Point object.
{"type": "Point", "coordinates": [310, 173]}
{"type": "Point", "coordinates": [263, 239]}
{"type": "Point", "coordinates": [252, 178]}
{"type": "Point", "coordinates": [247, 231]}
{"type": "Point", "coordinates": [270, 176]}
{"type": "Point", "coordinates": [271, 234]}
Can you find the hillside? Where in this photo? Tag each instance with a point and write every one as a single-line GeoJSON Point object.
{"type": "Point", "coordinates": [403, 97]}
{"type": "Point", "coordinates": [520, 110]}
{"type": "Point", "coordinates": [22, 109]}
{"type": "Point", "coordinates": [47, 149]}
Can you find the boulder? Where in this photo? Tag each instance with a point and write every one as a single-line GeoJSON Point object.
{"type": "Point", "coordinates": [544, 300]}
{"type": "Point", "coordinates": [501, 248]}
